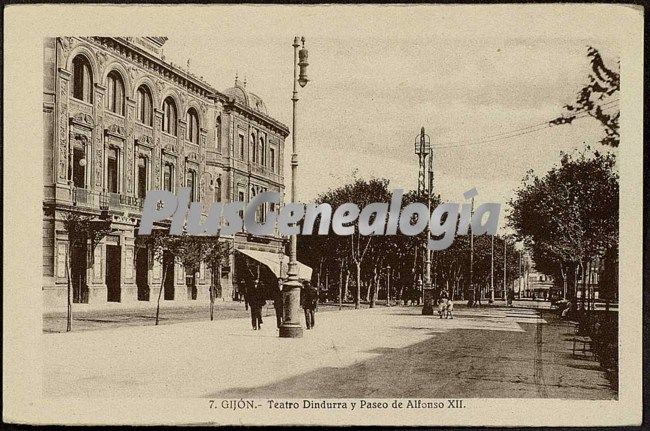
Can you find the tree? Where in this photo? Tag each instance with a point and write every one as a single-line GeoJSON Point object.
{"type": "Point", "coordinates": [215, 257]}
{"type": "Point", "coordinates": [81, 229]}
{"type": "Point", "coordinates": [597, 97]}
{"type": "Point", "coordinates": [357, 247]}
{"type": "Point", "coordinates": [569, 216]}
{"type": "Point", "coordinates": [190, 251]}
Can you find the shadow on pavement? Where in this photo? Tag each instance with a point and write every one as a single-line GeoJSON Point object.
{"type": "Point", "coordinates": [458, 363]}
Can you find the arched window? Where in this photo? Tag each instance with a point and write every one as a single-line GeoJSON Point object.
{"type": "Point", "coordinates": [192, 119]}
{"type": "Point", "coordinates": [82, 79]}
{"type": "Point", "coordinates": [115, 93]}
{"type": "Point", "coordinates": [145, 106]}
{"type": "Point", "coordinates": [218, 132]}
{"type": "Point", "coordinates": [169, 116]}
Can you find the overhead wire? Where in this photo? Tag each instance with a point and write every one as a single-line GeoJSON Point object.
{"type": "Point", "coordinates": [520, 131]}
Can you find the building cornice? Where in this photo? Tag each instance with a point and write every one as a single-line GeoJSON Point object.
{"type": "Point", "coordinates": [268, 121]}
{"type": "Point", "coordinates": [128, 50]}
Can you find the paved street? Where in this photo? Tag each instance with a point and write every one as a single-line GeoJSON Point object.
{"type": "Point", "coordinates": [381, 352]}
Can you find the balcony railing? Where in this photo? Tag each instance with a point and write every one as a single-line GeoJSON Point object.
{"type": "Point", "coordinates": [103, 200]}
{"type": "Point", "coordinates": [130, 201]}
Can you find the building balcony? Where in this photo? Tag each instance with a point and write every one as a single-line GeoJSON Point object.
{"type": "Point", "coordinates": [264, 171]}
{"type": "Point", "coordinates": [85, 198]}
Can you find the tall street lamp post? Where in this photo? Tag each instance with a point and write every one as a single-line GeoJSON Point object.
{"type": "Point", "coordinates": [291, 327]}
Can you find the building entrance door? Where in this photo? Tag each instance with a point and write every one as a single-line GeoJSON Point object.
{"type": "Point", "coordinates": [168, 265]}
{"type": "Point", "coordinates": [141, 273]}
{"type": "Point", "coordinates": [78, 265]}
{"type": "Point", "coordinates": [113, 272]}
{"type": "Point", "coordinates": [190, 281]}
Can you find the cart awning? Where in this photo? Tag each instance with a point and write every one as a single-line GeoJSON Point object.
{"type": "Point", "coordinates": [277, 263]}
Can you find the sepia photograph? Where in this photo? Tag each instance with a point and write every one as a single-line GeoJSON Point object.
{"type": "Point", "coordinates": [329, 215]}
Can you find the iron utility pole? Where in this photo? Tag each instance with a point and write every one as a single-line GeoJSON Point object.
{"type": "Point", "coordinates": [471, 257]}
{"type": "Point", "coordinates": [424, 151]}
{"type": "Point", "coordinates": [492, 273]}
{"type": "Point", "coordinates": [519, 274]}
{"type": "Point", "coordinates": [505, 260]}
{"type": "Point", "coordinates": [291, 327]}
{"type": "Point", "coordinates": [388, 288]}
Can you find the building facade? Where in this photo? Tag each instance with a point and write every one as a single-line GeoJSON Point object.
{"type": "Point", "coordinates": [119, 120]}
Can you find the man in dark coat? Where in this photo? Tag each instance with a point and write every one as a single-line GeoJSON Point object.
{"type": "Point", "coordinates": [309, 299]}
{"type": "Point", "coordinates": [256, 301]}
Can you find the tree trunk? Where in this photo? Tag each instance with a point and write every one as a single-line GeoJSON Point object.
{"type": "Point", "coordinates": [212, 301]}
{"type": "Point", "coordinates": [162, 287]}
{"type": "Point", "coordinates": [341, 287]}
{"type": "Point", "coordinates": [67, 269]}
{"type": "Point", "coordinates": [589, 288]}
{"type": "Point", "coordinates": [212, 293]}
{"type": "Point", "coordinates": [584, 286]}
{"type": "Point", "coordinates": [563, 273]}
{"type": "Point", "coordinates": [320, 269]}
{"type": "Point", "coordinates": [357, 299]}
{"type": "Point", "coordinates": [347, 283]}
{"type": "Point", "coordinates": [368, 287]}
{"type": "Point", "coordinates": [575, 285]}
{"type": "Point", "coordinates": [373, 285]}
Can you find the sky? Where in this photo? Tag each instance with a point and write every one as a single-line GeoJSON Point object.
{"type": "Point", "coordinates": [380, 74]}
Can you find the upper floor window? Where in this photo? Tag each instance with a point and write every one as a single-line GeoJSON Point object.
{"type": "Point", "coordinates": [192, 132]}
{"type": "Point", "coordinates": [217, 190]}
{"type": "Point", "coordinates": [82, 79]}
{"type": "Point", "coordinates": [79, 166]}
{"type": "Point", "coordinates": [242, 146]}
{"type": "Point", "coordinates": [115, 93]}
{"type": "Point", "coordinates": [253, 149]}
{"type": "Point", "coordinates": [191, 184]}
{"type": "Point", "coordinates": [218, 133]}
{"type": "Point", "coordinates": [142, 176]}
{"type": "Point", "coordinates": [145, 106]}
{"type": "Point", "coordinates": [169, 116]}
{"type": "Point", "coordinates": [262, 151]}
{"type": "Point", "coordinates": [272, 159]}
{"type": "Point", "coordinates": [168, 177]}
{"type": "Point", "coordinates": [112, 170]}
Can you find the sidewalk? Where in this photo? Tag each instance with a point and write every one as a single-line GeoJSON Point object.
{"type": "Point", "coordinates": [145, 314]}
{"type": "Point", "coordinates": [376, 353]}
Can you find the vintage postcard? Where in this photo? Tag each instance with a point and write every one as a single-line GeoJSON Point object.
{"type": "Point", "coordinates": [323, 215]}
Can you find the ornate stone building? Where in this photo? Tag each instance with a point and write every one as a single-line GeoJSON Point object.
{"type": "Point", "coordinates": [119, 120]}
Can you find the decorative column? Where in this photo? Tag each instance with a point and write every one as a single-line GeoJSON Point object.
{"type": "Point", "coordinates": [98, 141]}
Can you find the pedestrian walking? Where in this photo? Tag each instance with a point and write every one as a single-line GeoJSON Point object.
{"type": "Point", "coordinates": [309, 299]}
{"type": "Point", "coordinates": [279, 307]}
{"type": "Point", "coordinates": [256, 302]}
{"type": "Point", "coordinates": [450, 309]}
